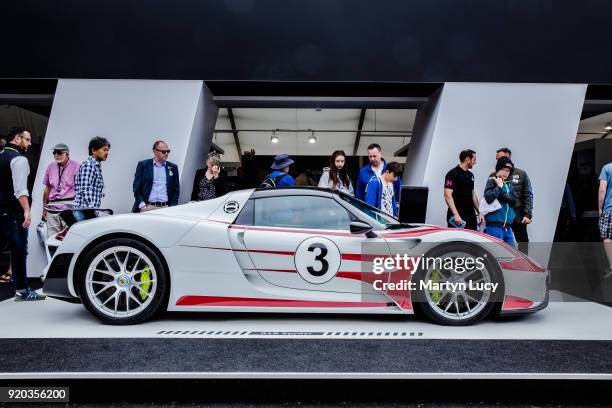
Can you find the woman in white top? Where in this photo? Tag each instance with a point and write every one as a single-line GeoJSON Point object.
{"type": "Point", "coordinates": [336, 176]}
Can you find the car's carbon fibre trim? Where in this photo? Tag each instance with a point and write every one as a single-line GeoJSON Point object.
{"type": "Point", "coordinates": [56, 281]}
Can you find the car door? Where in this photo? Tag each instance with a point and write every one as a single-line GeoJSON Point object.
{"type": "Point", "coordinates": [304, 242]}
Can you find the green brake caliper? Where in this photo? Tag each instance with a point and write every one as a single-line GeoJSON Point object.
{"type": "Point", "coordinates": [145, 276]}
{"type": "Point", "coordinates": [435, 278]}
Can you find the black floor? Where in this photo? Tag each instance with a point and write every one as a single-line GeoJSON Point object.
{"type": "Point", "coordinates": [305, 356]}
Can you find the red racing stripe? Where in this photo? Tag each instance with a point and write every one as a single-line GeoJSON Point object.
{"type": "Point", "coordinates": [414, 233]}
{"type": "Point", "coordinates": [254, 302]}
{"type": "Point", "coordinates": [297, 231]}
{"type": "Point", "coordinates": [522, 264]}
{"type": "Point", "coordinates": [263, 251]}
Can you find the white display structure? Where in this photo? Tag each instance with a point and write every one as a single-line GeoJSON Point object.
{"type": "Point", "coordinates": [538, 122]}
{"type": "Point", "coordinates": [131, 114]}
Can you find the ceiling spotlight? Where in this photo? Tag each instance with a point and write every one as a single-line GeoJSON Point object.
{"type": "Point", "coordinates": [274, 138]}
{"type": "Point", "coordinates": [608, 127]}
{"type": "Point", "coordinates": [312, 139]}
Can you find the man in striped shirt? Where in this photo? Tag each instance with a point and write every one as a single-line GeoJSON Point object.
{"type": "Point", "coordinates": [89, 182]}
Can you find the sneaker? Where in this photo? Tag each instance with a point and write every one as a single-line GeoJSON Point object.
{"type": "Point", "coordinates": [28, 295]}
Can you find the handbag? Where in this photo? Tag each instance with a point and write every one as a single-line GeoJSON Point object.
{"type": "Point", "coordinates": [486, 208]}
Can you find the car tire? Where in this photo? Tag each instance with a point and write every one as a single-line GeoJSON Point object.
{"type": "Point", "coordinates": [453, 309]}
{"type": "Point", "coordinates": [122, 281]}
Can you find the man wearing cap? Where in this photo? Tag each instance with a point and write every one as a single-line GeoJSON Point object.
{"type": "Point", "coordinates": [59, 186]}
{"type": "Point", "coordinates": [499, 187]}
{"type": "Point", "coordinates": [280, 175]}
{"type": "Point", "coordinates": [523, 192]}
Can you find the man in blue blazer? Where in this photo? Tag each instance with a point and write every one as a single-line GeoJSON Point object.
{"type": "Point", "coordinates": [156, 181]}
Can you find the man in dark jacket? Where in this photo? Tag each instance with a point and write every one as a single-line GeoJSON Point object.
{"type": "Point", "coordinates": [499, 188]}
{"type": "Point", "coordinates": [156, 181]}
{"type": "Point", "coordinates": [521, 188]}
{"type": "Point", "coordinates": [15, 202]}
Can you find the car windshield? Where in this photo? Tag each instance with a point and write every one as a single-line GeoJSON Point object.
{"type": "Point", "coordinates": [372, 212]}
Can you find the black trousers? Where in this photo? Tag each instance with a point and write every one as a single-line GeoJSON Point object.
{"type": "Point", "coordinates": [15, 238]}
{"type": "Point", "coordinates": [520, 235]}
{"type": "Point", "coordinates": [520, 230]}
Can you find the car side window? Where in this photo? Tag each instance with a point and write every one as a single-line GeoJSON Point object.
{"type": "Point", "coordinates": [301, 212]}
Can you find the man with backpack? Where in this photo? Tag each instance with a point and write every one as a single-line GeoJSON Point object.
{"type": "Point", "coordinates": [280, 176]}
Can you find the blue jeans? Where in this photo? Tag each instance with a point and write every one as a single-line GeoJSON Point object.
{"type": "Point", "coordinates": [16, 238]}
{"type": "Point", "coordinates": [78, 215]}
{"type": "Point", "coordinates": [503, 233]}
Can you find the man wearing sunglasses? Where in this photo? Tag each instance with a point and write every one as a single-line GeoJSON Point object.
{"type": "Point", "coordinates": [156, 181]}
{"type": "Point", "coordinates": [59, 186]}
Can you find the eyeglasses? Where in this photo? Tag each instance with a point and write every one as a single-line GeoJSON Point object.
{"type": "Point", "coordinates": [58, 152]}
{"type": "Point", "coordinates": [163, 151]}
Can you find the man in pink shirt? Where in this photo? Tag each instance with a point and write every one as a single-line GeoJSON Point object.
{"type": "Point", "coordinates": [59, 186]}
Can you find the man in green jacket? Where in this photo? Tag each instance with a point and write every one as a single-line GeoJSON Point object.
{"type": "Point", "coordinates": [521, 188]}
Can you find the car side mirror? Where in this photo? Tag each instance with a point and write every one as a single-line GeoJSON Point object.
{"type": "Point", "coordinates": [359, 227]}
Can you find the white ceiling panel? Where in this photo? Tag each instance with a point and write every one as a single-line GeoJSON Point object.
{"type": "Point", "coordinates": [296, 143]}
{"type": "Point", "coordinates": [593, 124]}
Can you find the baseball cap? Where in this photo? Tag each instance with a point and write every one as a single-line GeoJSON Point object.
{"type": "Point", "coordinates": [61, 147]}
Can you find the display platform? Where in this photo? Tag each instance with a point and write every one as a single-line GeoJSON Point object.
{"type": "Point", "coordinates": [568, 340]}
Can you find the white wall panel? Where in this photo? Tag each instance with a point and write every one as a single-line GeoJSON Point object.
{"type": "Point", "coordinates": [132, 114]}
{"type": "Point", "coordinates": [538, 122]}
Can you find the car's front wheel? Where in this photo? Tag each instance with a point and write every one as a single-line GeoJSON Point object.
{"type": "Point", "coordinates": [457, 295]}
{"type": "Point", "coordinates": [122, 281]}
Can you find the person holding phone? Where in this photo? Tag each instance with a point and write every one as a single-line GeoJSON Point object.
{"type": "Point", "coordinates": [499, 187]}
{"type": "Point", "coordinates": [209, 182]}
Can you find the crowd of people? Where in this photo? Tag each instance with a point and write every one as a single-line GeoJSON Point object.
{"type": "Point", "coordinates": [506, 207]}
{"type": "Point", "coordinates": [507, 204]}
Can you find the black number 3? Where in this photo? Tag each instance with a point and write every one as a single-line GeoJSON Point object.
{"type": "Point", "coordinates": [320, 258]}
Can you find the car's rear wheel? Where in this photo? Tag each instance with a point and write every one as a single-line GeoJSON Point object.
{"type": "Point", "coordinates": [472, 300]}
{"type": "Point", "coordinates": [122, 281]}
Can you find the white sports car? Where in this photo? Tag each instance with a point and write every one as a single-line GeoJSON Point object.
{"type": "Point", "coordinates": [304, 250]}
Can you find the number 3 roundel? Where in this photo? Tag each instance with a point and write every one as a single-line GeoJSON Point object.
{"type": "Point", "coordinates": [317, 260]}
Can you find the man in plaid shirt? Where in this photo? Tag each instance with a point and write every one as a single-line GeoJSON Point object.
{"type": "Point", "coordinates": [89, 182]}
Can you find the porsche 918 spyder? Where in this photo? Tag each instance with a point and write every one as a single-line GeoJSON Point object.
{"type": "Point", "coordinates": [287, 250]}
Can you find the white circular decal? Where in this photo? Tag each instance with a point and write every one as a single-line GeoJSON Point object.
{"type": "Point", "coordinates": [317, 260]}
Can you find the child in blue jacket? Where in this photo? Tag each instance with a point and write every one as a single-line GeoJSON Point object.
{"type": "Point", "coordinates": [499, 222]}
{"type": "Point", "coordinates": [380, 191]}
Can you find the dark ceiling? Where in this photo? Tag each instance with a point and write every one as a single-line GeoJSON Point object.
{"type": "Point", "coordinates": [428, 41]}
